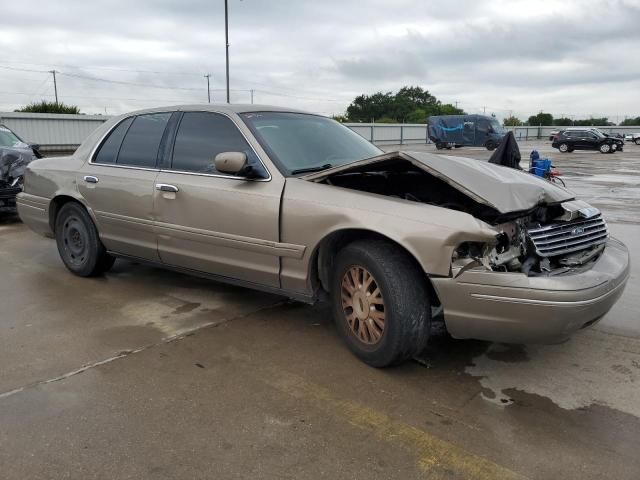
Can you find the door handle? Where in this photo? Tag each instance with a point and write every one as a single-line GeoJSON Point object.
{"type": "Point", "coordinates": [90, 179]}
{"type": "Point", "coordinates": [164, 187]}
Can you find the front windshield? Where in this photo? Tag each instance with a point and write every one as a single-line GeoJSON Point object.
{"type": "Point", "coordinates": [8, 138]}
{"type": "Point", "coordinates": [497, 128]}
{"type": "Point", "coordinates": [299, 143]}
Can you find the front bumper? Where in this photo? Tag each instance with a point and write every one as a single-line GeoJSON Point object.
{"type": "Point", "coordinates": [514, 308]}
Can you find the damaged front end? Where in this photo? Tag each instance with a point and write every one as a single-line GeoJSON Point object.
{"type": "Point", "coordinates": [13, 162]}
{"type": "Point", "coordinates": [550, 240]}
{"type": "Point", "coordinates": [541, 229]}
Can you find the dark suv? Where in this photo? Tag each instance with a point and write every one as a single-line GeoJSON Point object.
{"type": "Point", "coordinates": [570, 140]}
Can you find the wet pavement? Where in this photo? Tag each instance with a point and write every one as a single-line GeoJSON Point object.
{"type": "Point", "coordinates": [144, 373]}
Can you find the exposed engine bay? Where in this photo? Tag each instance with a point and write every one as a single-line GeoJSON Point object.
{"type": "Point", "coordinates": [548, 239]}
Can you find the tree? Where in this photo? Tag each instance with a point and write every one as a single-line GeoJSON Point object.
{"type": "Point", "coordinates": [562, 122]}
{"type": "Point", "coordinates": [541, 119]}
{"type": "Point", "coordinates": [630, 121]}
{"type": "Point", "coordinates": [365, 108]}
{"type": "Point", "coordinates": [512, 121]}
{"type": "Point", "coordinates": [409, 104]}
{"type": "Point", "coordinates": [49, 107]}
{"type": "Point", "coordinates": [448, 109]}
{"type": "Point", "coordinates": [590, 122]}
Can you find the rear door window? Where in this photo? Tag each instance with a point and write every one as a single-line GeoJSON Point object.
{"type": "Point", "coordinates": [141, 142]}
{"type": "Point", "coordinates": [109, 148]}
{"type": "Point", "coordinates": [203, 135]}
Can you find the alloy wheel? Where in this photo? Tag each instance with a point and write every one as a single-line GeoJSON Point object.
{"type": "Point", "coordinates": [363, 305]}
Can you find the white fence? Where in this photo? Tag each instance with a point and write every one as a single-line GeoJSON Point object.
{"type": "Point", "coordinates": [391, 133]}
{"type": "Point", "coordinates": [53, 132]}
{"type": "Point", "coordinates": [65, 132]}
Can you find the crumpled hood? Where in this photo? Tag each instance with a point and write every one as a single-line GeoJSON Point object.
{"type": "Point", "coordinates": [502, 188]}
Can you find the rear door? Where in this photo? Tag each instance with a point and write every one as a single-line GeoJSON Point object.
{"type": "Point", "coordinates": [118, 184]}
{"type": "Point", "coordinates": [212, 222]}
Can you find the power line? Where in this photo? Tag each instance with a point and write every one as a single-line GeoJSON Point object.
{"type": "Point", "coordinates": [156, 72]}
{"type": "Point", "coordinates": [55, 85]}
{"type": "Point", "coordinates": [122, 82]}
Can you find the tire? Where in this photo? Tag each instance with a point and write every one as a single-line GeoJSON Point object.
{"type": "Point", "coordinates": [78, 242]}
{"type": "Point", "coordinates": [637, 141]}
{"type": "Point", "coordinates": [439, 146]}
{"type": "Point", "coordinates": [564, 148]}
{"type": "Point", "coordinates": [605, 148]}
{"type": "Point", "coordinates": [402, 302]}
{"type": "Point", "coordinates": [490, 146]}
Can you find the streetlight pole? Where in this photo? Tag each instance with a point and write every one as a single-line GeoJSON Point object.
{"type": "Point", "coordinates": [207, 76]}
{"type": "Point", "coordinates": [226, 36]}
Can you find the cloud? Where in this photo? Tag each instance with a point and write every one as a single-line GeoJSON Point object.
{"type": "Point", "coordinates": [565, 56]}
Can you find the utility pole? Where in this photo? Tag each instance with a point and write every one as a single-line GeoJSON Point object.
{"type": "Point", "coordinates": [456, 103]}
{"type": "Point", "coordinates": [207, 76]}
{"type": "Point", "coordinates": [484, 109]}
{"type": "Point", "coordinates": [251, 96]}
{"type": "Point", "coordinates": [226, 36]}
{"type": "Point", "coordinates": [55, 85]}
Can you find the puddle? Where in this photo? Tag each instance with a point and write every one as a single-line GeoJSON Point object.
{"type": "Point", "coordinates": [593, 368]}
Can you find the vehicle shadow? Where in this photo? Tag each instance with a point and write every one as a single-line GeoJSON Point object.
{"type": "Point", "coordinates": [9, 218]}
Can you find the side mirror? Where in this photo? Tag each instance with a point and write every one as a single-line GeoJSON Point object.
{"type": "Point", "coordinates": [232, 163]}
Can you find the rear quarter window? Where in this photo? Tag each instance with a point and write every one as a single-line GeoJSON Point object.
{"type": "Point", "coordinates": [108, 151]}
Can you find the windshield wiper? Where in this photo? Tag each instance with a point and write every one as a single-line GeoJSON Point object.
{"type": "Point", "coordinates": [311, 169]}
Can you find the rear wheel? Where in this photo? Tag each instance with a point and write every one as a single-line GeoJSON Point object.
{"type": "Point", "coordinates": [78, 242]}
{"type": "Point", "coordinates": [605, 148]}
{"type": "Point", "coordinates": [380, 302]}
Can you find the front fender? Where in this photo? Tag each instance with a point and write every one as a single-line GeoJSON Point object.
{"type": "Point", "coordinates": [311, 212]}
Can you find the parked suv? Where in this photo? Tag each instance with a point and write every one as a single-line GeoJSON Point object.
{"type": "Point", "coordinates": [588, 139]}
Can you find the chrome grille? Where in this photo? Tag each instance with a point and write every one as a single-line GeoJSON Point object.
{"type": "Point", "coordinates": [563, 238]}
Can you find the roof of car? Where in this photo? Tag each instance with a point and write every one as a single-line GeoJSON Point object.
{"type": "Point", "coordinates": [219, 107]}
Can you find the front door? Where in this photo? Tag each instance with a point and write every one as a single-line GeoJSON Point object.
{"type": "Point", "coordinates": [118, 184]}
{"type": "Point", "coordinates": [211, 222]}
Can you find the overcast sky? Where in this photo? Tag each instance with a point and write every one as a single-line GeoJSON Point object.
{"type": "Point", "coordinates": [577, 58]}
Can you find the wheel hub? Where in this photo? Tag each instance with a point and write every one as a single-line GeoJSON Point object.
{"type": "Point", "coordinates": [74, 241]}
{"type": "Point", "coordinates": [363, 305]}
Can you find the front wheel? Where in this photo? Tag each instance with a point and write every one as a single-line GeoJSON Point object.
{"type": "Point", "coordinates": [637, 141]}
{"type": "Point", "coordinates": [380, 302]}
{"type": "Point", "coordinates": [563, 147]}
{"type": "Point", "coordinates": [490, 146]}
{"type": "Point", "coordinates": [78, 242]}
{"type": "Point", "coordinates": [605, 148]}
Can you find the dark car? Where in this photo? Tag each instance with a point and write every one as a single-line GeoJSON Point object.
{"type": "Point", "coordinates": [570, 140]}
{"type": "Point", "coordinates": [15, 155]}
